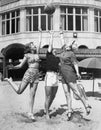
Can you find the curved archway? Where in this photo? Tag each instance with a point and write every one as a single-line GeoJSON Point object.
{"type": "Point", "coordinates": [98, 47]}
{"type": "Point", "coordinates": [45, 46]}
{"type": "Point", "coordinates": [13, 51]}
{"type": "Point", "coordinates": [83, 47]}
{"type": "Point", "coordinates": [12, 55]}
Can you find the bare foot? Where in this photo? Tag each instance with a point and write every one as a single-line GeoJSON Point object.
{"type": "Point", "coordinates": [31, 116]}
{"type": "Point", "coordinates": [8, 79]}
{"type": "Point", "coordinates": [88, 109]}
{"type": "Point", "coordinates": [47, 116]}
{"type": "Point", "coordinates": [69, 114]}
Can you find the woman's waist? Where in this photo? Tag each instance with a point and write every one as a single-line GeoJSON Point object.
{"type": "Point", "coordinates": [67, 66]}
{"type": "Point", "coordinates": [35, 65]}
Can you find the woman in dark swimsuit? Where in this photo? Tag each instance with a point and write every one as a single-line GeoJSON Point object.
{"type": "Point", "coordinates": [69, 71]}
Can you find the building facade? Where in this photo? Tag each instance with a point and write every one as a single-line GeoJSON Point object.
{"type": "Point", "coordinates": [20, 20]}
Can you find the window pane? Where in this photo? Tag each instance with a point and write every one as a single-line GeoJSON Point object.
{"type": "Point", "coordinates": [70, 10]}
{"type": "Point", "coordinates": [50, 22]}
{"type": "Point", "coordinates": [63, 9]}
{"type": "Point", "coordinates": [3, 28]}
{"type": "Point", "coordinates": [42, 10]}
{"type": "Point", "coordinates": [35, 23]}
{"type": "Point", "coordinates": [78, 11]}
{"type": "Point", "coordinates": [13, 26]}
{"type": "Point", "coordinates": [95, 12]}
{"type": "Point", "coordinates": [78, 23]}
{"type": "Point", "coordinates": [28, 24]}
{"type": "Point", "coordinates": [13, 14]}
{"type": "Point", "coordinates": [70, 22]}
{"type": "Point", "coordinates": [18, 25]}
{"type": "Point", "coordinates": [100, 13]}
{"type": "Point", "coordinates": [84, 11]}
{"type": "Point", "coordinates": [3, 16]}
{"type": "Point", "coordinates": [17, 13]}
{"type": "Point", "coordinates": [43, 22]}
{"type": "Point", "coordinates": [8, 27]}
{"type": "Point", "coordinates": [28, 11]}
{"type": "Point", "coordinates": [35, 10]}
{"type": "Point", "coordinates": [63, 22]}
{"type": "Point", "coordinates": [100, 24]}
{"type": "Point", "coordinates": [84, 23]}
{"type": "Point", "coordinates": [8, 15]}
{"type": "Point", "coordinates": [96, 24]}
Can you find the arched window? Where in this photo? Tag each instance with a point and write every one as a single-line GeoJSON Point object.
{"type": "Point", "coordinates": [98, 47]}
{"type": "Point", "coordinates": [83, 47]}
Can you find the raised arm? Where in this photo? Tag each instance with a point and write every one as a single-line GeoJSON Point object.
{"type": "Point", "coordinates": [62, 39]}
{"type": "Point", "coordinates": [40, 40]}
{"type": "Point", "coordinates": [50, 42]}
{"type": "Point", "coordinates": [21, 64]}
{"type": "Point", "coordinates": [62, 44]}
{"type": "Point", "coordinates": [77, 71]}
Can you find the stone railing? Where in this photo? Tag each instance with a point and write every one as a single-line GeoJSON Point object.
{"type": "Point", "coordinates": [80, 53]}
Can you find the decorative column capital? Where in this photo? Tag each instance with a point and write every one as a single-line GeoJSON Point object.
{"type": "Point", "coordinates": [22, 8]}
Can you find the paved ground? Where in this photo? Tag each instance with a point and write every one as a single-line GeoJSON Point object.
{"type": "Point", "coordinates": [13, 109]}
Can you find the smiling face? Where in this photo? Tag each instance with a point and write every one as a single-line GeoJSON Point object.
{"type": "Point", "coordinates": [33, 47]}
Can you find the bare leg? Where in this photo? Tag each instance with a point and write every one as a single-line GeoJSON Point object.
{"type": "Point", "coordinates": [50, 95]}
{"type": "Point", "coordinates": [67, 95]}
{"type": "Point", "coordinates": [47, 100]}
{"type": "Point", "coordinates": [68, 99]}
{"type": "Point", "coordinates": [73, 86]}
{"type": "Point", "coordinates": [53, 94]}
{"type": "Point", "coordinates": [33, 88]}
{"type": "Point", "coordinates": [18, 89]}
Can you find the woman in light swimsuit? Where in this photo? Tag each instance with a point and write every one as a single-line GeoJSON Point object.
{"type": "Point", "coordinates": [31, 75]}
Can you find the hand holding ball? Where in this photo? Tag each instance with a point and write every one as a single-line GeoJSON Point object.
{"type": "Point", "coordinates": [49, 9]}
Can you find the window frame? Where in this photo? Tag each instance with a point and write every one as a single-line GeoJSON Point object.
{"type": "Point", "coordinates": [41, 15]}
{"type": "Point", "coordinates": [97, 20]}
{"type": "Point", "coordinates": [6, 21]}
{"type": "Point", "coordinates": [74, 15]}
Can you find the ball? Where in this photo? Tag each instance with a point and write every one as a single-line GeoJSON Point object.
{"type": "Point", "coordinates": [49, 9]}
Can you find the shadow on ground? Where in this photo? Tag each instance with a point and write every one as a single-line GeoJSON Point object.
{"type": "Point", "coordinates": [58, 116]}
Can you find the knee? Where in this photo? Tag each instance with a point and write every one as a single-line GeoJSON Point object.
{"type": "Point", "coordinates": [19, 92]}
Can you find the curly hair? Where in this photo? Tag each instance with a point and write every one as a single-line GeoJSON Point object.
{"type": "Point", "coordinates": [27, 49]}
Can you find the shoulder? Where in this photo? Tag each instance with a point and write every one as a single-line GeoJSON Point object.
{"type": "Point", "coordinates": [71, 52]}
{"type": "Point", "coordinates": [49, 53]}
{"type": "Point", "coordinates": [26, 55]}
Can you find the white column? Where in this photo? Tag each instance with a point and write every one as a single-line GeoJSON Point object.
{"type": "Point", "coordinates": [22, 20]}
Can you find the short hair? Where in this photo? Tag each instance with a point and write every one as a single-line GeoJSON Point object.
{"type": "Point", "coordinates": [27, 49]}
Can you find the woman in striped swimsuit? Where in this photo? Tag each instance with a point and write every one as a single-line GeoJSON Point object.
{"type": "Point", "coordinates": [31, 75]}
